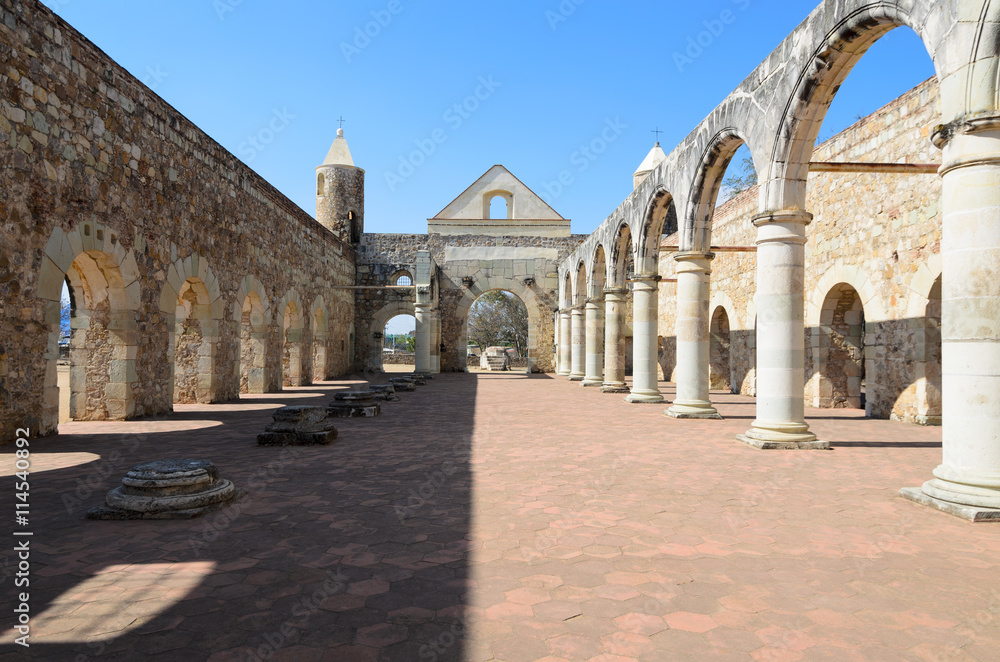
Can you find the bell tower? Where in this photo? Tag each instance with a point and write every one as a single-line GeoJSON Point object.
{"type": "Point", "coordinates": [340, 193]}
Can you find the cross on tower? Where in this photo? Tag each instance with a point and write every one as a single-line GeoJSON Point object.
{"type": "Point", "coordinates": [657, 132]}
{"type": "Point", "coordinates": [341, 120]}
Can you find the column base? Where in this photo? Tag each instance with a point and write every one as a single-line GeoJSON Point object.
{"type": "Point", "coordinates": [970, 513]}
{"type": "Point", "coordinates": [782, 436]}
{"type": "Point", "coordinates": [615, 388]}
{"type": "Point", "coordinates": [693, 411]}
{"type": "Point", "coordinates": [590, 383]}
{"type": "Point", "coordinates": [576, 378]}
{"type": "Point", "coordinates": [645, 398]}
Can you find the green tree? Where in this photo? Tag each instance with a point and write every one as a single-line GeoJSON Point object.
{"type": "Point", "coordinates": [499, 318]}
{"type": "Point", "coordinates": [743, 180]}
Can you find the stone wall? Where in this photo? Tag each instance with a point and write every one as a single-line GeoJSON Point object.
{"type": "Point", "coordinates": [380, 256]}
{"type": "Point", "coordinates": [879, 234]}
{"type": "Point", "coordinates": [108, 186]}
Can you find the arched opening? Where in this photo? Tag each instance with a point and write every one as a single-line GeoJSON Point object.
{"type": "Point", "coordinates": [95, 371]}
{"type": "Point", "coordinates": [839, 355]}
{"type": "Point", "coordinates": [720, 342]}
{"type": "Point", "coordinates": [320, 333]}
{"type": "Point", "coordinates": [355, 225]}
{"type": "Point", "coordinates": [399, 344]}
{"type": "Point", "coordinates": [499, 208]}
{"type": "Point", "coordinates": [293, 333]}
{"type": "Point", "coordinates": [253, 345]}
{"type": "Point", "coordinates": [402, 279]}
{"type": "Point", "coordinates": [498, 333]}
{"type": "Point", "coordinates": [623, 260]}
{"type": "Point", "coordinates": [929, 361]}
{"type": "Point", "coordinates": [320, 184]}
{"type": "Point", "coordinates": [195, 337]}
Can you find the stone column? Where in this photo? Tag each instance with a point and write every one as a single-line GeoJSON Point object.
{"type": "Point", "coordinates": [578, 348]}
{"type": "Point", "coordinates": [614, 341]}
{"type": "Point", "coordinates": [967, 483]}
{"type": "Point", "coordinates": [423, 340]}
{"type": "Point", "coordinates": [694, 272]}
{"type": "Point", "coordinates": [645, 366]}
{"type": "Point", "coordinates": [565, 333]}
{"type": "Point", "coordinates": [595, 343]}
{"type": "Point", "coordinates": [436, 342]}
{"type": "Point", "coordinates": [781, 423]}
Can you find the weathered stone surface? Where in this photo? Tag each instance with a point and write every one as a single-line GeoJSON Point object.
{"type": "Point", "coordinates": [299, 426]}
{"type": "Point", "coordinates": [367, 409]}
{"type": "Point", "coordinates": [168, 489]}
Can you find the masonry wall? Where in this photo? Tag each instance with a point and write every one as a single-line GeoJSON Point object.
{"type": "Point", "coordinates": [880, 234]}
{"type": "Point", "coordinates": [155, 224]}
{"type": "Point", "coordinates": [382, 255]}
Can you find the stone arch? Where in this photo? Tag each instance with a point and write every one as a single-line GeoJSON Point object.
{"type": "Point", "coordinates": [661, 213]}
{"type": "Point", "coordinates": [372, 345]}
{"type": "Point", "coordinates": [706, 185]}
{"type": "Point", "coordinates": [852, 28]}
{"type": "Point", "coordinates": [294, 325]}
{"type": "Point", "coordinates": [320, 341]}
{"type": "Point", "coordinates": [621, 257]}
{"type": "Point", "coordinates": [104, 277]}
{"type": "Point", "coordinates": [580, 284]}
{"type": "Point", "coordinates": [924, 318]}
{"type": "Point", "coordinates": [539, 357]}
{"type": "Point", "coordinates": [402, 278]}
{"type": "Point", "coordinates": [490, 196]}
{"type": "Point", "coordinates": [598, 273]}
{"type": "Point", "coordinates": [192, 328]}
{"type": "Point", "coordinates": [252, 312]}
{"type": "Point", "coordinates": [720, 350]}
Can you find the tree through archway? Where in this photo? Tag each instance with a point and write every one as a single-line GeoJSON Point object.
{"type": "Point", "coordinates": [498, 333]}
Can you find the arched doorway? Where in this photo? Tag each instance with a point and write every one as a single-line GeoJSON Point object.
{"type": "Point", "coordinates": [720, 343]}
{"type": "Point", "coordinates": [195, 338]}
{"type": "Point", "coordinates": [319, 338]}
{"type": "Point", "coordinates": [253, 344]}
{"type": "Point", "coordinates": [399, 344]}
{"type": "Point", "coordinates": [839, 355]}
{"type": "Point", "coordinates": [293, 334]}
{"type": "Point", "coordinates": [498, 331]}
{"type": "Point", "coordinates": [929, 361]}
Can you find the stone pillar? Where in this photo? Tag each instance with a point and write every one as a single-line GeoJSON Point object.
{"type": "Point", "coordinates": [578, 345]}
{"type": "Point", "coordinates": [645, 366]}
{"type": "Point", "coordinates": [595, 343]}
{"type": "Point", "coordinates": [565, 333]}
{"type": "Point", "coordinates": [436, 342]}
{"type": "Point", "coordinates": [967, 483]}
{"type": "Point", "coordinates": [423, 340]}
{"type": "Point", "coordinates": [694, 272]}
{"type": "Point", "coordinates": [614, 341]}
{"type": "Point", "coordinates": [781, 423]}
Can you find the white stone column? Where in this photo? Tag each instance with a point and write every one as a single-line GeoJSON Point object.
{"type": "Point", "coordinates": [694, 272]}
{"type": "Point", "coordinates": [595, 343]}
{"type": "Point", "coordinates": [645, 363]}
{"type": "Point", "coordinates": [578, 327]}
{"type": "Point", "coordinates": [781, 423]}
{"type": "Point", "coordinates": [967, 483]}
{"type": "Point", "coordinates": [423, 336]}
{"type": "Point", "coordinates": [614, 341]}
{"type": "Point", "coordinates": [565, 333]}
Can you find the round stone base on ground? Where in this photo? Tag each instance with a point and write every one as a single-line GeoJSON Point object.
{"type": "Point", "coordinates": [766, 445]}
{"type": "Point", "coordinates": [168, 489]}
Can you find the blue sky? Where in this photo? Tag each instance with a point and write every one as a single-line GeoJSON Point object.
{"type": "Point", "coordinates": [550, 76]}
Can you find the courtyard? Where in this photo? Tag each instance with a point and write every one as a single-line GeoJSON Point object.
{"type": "Point", "coordinates": [501, 517]}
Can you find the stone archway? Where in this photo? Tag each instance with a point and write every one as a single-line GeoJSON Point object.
{"type": "Point", "coordinates": [104, 280]}
{"type": "Point", "coordinates": [839, 351]}
{"type": "Point", "coordinates": [370, 345]}
{"type": "Point", "coordinates": [255, 321]}
{"type": "Point", "coordinates": [320, 339]}
{"type": "Point", "coordinates": [720, 346]}
{"type": "Point", "coordinates": [293, 345]}
{"type": "Point", "coordinates": [539, 357]}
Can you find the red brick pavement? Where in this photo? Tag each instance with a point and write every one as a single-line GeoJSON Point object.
{"type": "Point", "coordinates": [506, 518]}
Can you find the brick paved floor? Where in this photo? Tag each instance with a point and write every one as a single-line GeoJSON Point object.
{"type": "Point", "coordinates": [500, 517]}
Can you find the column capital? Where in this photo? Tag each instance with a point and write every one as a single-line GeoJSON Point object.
{"type": "Point", "coordinates": [799, 216]}
{"type": "Point", "coordinates": [691, 256]}
{"type": "Point", "coordinates": [615, 291]}
{"type": "Point", "coordinates": [969, 142]}
{"type": "Point", "coordinates": [595, 302]}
